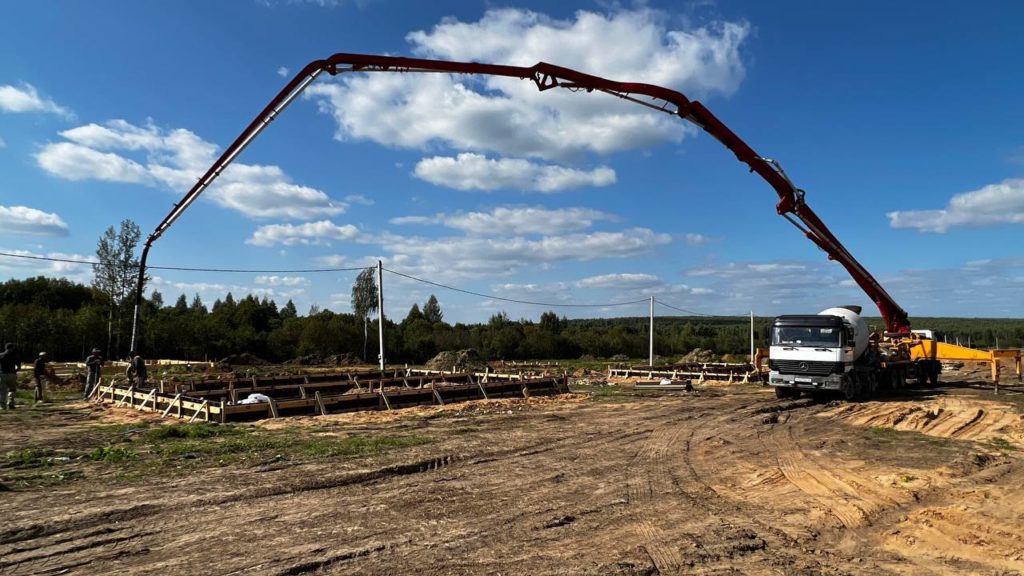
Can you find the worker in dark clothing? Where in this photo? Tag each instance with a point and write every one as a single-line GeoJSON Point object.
{"type": "Point", "coordinates": [93, 364]}
{"type": "Point", "coordinates": [39, 374]}
{"type": "Point", "coordinates": [10, 363]}
{"type": "Point", "coordinates": [136, 370]}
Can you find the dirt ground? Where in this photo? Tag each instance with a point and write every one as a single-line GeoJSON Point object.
{"type": "Point", "coordinates": [725, 480]}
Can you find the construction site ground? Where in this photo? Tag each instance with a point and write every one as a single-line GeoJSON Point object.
{"type": "Point", "coordinates": [724, 480]}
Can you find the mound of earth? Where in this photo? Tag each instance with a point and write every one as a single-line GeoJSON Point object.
{"type": "Point", "coordinates": [467, 359]}
{"type": "Point", "coordinates": [699, 355]}
{"type": "Point", "coordinates": [243, 359]}
{"type": "Point", "coordinates": [346, 359]}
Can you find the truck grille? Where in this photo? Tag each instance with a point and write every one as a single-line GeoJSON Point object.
{"type": "Point", "coordinates": [803, 367]}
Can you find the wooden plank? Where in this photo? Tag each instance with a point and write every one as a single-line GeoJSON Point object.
{"type": "Point", "coordinates": [194, 416]}
{"type": "Point", "coordinates": [438, 396]}
{"type": "Point", "coordinates": [150, 396]}
{"type": "Point", "coordinates": [480, 384]}
{"type": "Point", "coordinates": [385, 398]}
{"type": "Point", "coordinates": [177, 398]}
{"type": "Point", "coordinates": [273, 408]}
{"type": "Point", "coordinates": [302, 392]}
{"type": "Point", "coordinates": [320, 403]}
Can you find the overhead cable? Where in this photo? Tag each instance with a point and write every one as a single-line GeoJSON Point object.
{"type": "Point", "coordinates": [513, 300]}
{"type": "Point", "coordinates": [683, 310]}
{"type": "Point", "coordinates": [188, 269]}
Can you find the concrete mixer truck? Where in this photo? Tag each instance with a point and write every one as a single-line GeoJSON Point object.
{"type": "Point", "coordinates": [834, 351]}
{"type": "Point", "coordinates": [827, 351]}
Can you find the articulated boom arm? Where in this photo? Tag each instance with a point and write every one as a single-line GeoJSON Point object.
{"type": "Point", "coordinates": [547, 76]}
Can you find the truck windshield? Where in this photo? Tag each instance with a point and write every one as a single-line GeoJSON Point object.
{"type": "Point", "coordinates": [805, 336]}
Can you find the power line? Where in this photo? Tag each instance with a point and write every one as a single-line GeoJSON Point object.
{"type": "Point", "coordinates": [683, 310]}
{"type": "Point", "coordinates": [513, 300]}
{"type": "Point", "coordinates": [188, 269]}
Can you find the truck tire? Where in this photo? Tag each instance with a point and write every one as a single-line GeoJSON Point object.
{"type": "Point", "coordinates": [851, 389]}
{"type": "Point", "coordinates": [783, 393]}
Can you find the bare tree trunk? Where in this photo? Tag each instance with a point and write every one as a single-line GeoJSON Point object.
{"type": "Point", "coordinates": [110, 328]}
{"type": "Point", "coordinates": [365, 336]}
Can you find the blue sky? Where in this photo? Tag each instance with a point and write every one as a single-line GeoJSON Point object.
{"type": "Point", "coordinates": [903, 121]}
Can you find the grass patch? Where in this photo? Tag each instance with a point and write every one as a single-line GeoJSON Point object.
{"type": "Point", "coordinates": [199, 430]}
{"type": "Point", "coordinates": [360, 445]}
{"type": "Point", "coordinates": [30, 457]}
{"type": "Point", "coordinates": [112, 454]}
{"type": "Point", "coordinates": [1002, 443]}
{"type": "Point", "coordinates": [886, 435]}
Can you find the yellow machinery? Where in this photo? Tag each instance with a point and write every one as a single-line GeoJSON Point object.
{"type": "Point", "coordinates": [923, 348]}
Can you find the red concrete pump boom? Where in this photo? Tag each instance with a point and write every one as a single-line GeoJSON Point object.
{"type": "Point", "coordinates": [546, 76]}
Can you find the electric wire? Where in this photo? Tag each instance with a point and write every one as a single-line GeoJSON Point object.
{"type": "Point", "coordinates": [360, 268]}
{"type": "Point", "coordinates": [513, 300]}
{"type": "Point", "coordinates": [683, 310]}
{"type": "Point", "coordinates": [189, 269]}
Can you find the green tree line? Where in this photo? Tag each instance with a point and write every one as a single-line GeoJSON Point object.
{"type": "Point", "coordinates": [67, 319]}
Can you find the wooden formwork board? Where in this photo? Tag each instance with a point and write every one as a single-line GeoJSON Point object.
{"type": "Point", "coordinates": [194, 408]}
{"type": "Point", "coordinates": [152, 400]}
{"type": "Point", "coordinates": [197, 385]}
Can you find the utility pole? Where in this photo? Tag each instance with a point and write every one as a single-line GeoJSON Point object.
{"type": "Point", "coordinates": [650, 356]}
{"type": "Point", "coordinates": [751, 336]}
{"type": "Point", "coordinates": [380, 310]}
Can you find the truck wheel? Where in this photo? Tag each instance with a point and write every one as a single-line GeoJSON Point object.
{"type": "Point", "coordinates": [933, 374]}
{"type": "Point", "coordinates": [850, 390]}
{"type": "Point", "coordinates": [783, 393]}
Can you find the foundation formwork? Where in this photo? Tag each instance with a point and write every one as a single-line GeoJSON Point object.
{"type": "Point", "coordinates": [223, 400]}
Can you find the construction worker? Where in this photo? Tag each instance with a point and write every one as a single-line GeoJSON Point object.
{"type": "Point", "coordinates": [39, 374]}
{"type": "Point", "coordinates": [93, 364]}
{"type": "Point", "coordinates": [9, 366]}
{"type": "Point", "coordinates": [136, 370]}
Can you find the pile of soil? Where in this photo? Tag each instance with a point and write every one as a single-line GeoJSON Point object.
{"type": "Point", "coordinates": [307, 360]}
{"type": "Point", "coordinates": [346, 359]}
{"type": "Point", "coordinates": [243, 359]}
{"type": "Point", "coordinates": [619, 358]}
{"type": "Point", "coordinates": [467, 359]}
{"type": "Point", "coordinates": [699, 355]}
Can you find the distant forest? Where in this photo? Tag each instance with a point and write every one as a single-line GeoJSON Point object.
{"type": "Point", "coordinates": [67, 319]}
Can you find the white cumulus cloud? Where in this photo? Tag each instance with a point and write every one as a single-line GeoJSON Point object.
{"type": "Point", "coordinates": [1001, 203]}
{"type": "Point", "coordinates": [513, 221]}
{"type": "Point", "coordinates": [119, 151]}
{"type": "Point", "coordinates": [25, 98]}
{"type": "Point", "coordinates": [481, 256]}
{"type": "Point", "coordinates": [30, 221]}
{"type": "Point", "coordinates": [510, 116]}
{"type": "Point", "coordinates": [620, 280]}
{"type": "Point", "coordinates": [281, 280]}
{"type": "Point", "coordinates": [321, 232]}
{"type": "Point", "coordinates": [469, 171]}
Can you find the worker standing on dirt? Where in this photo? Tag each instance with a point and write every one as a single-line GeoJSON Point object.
{"type": "Point", "coordinates": [39, 374]}
{"type": "Point", "coordinates": [136, 370]}
{"type": "Point", "coordinates": [93, 364]}
{"type": "Point", "coordinates": [9, 366]}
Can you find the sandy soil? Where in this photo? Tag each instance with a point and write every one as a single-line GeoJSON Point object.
{"type": "Point", "coordinates": [728, 480]}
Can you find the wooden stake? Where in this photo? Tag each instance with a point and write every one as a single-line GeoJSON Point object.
{"type": "Point", "coordinates": [198, 411]}
{"type": "Point", "coordinates": [320, 403]}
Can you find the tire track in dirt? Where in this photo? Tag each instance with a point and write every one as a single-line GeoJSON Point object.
{"type": "Point", "coordinates": [648, 482]}
{"type": "Point", "coordinates": [947, 417]}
